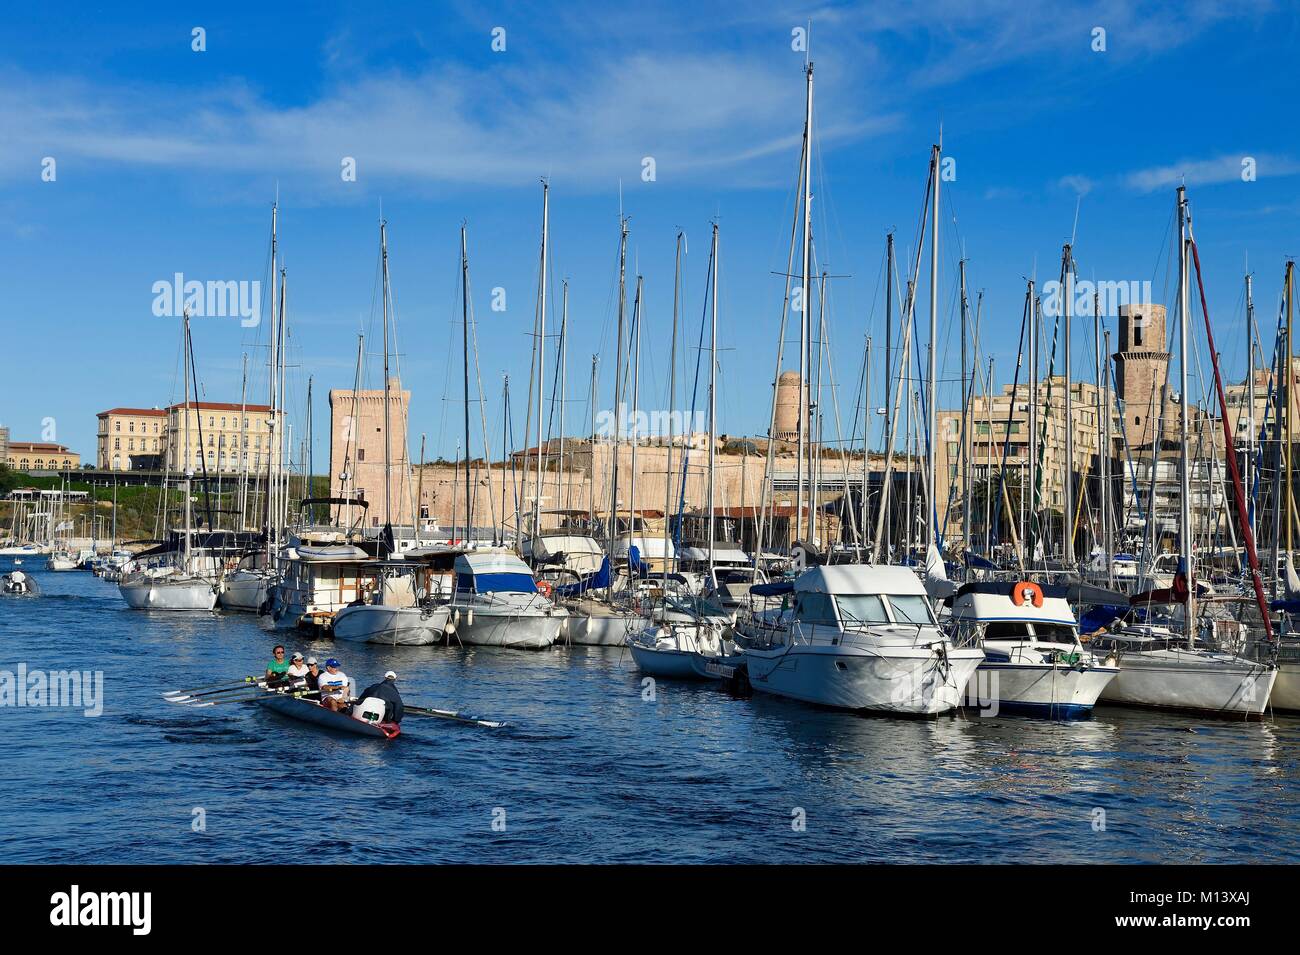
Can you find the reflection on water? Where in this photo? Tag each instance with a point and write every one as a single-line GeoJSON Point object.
{"type": "Point", "coordinates": [589, 769]}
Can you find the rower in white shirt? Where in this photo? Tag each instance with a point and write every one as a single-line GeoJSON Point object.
{"type": "Point", "coordinates": [334, 686]}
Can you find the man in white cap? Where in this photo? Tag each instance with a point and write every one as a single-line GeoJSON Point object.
{"type": "Point", "coordinates": [386, 690]}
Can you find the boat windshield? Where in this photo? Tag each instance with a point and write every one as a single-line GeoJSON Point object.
{"type": "Point", "coordinates": [1007, 630]}
{"type": "Point", "coordinates": [1054, 632]}
{"type": "Point", "coordinates": [861, 608]}
{"type": "Point", "coordinates": [911, 608]}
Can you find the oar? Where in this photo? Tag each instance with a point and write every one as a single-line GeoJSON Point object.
{"type": "Point", "coordinates": [232, 689]}
{"type": "Point", "coordinates": [451, 715]}
{"type": "Point", "coordinates": [212, 686]}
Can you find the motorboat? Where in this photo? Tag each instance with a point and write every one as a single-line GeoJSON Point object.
{"type": "Point", "coordinates": [1034, 662]}
{"type": "Point", "coordinates": [394, 609]}
{"type": "Point", "coordinates": [18, 583]}
{"type": "Point", "coordinates": [856, 637]}
{"type": "Point", "coordinates": [497, 603]}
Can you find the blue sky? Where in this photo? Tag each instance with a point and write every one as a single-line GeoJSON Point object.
{"type": "Point", "coordinates": [168, 160]}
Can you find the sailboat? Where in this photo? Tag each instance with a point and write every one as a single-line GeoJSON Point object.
{"type": "Point", "coordinates": [397, 612]}
{"type": "Point", "coordinates": [692, 644]}
{"type": "Point", "coordinates": [177, 585]}
{"type": "Point", "coordinates": [1163, 664]}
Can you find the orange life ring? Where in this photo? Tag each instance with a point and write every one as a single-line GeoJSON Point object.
{"type": "Point", "coordinates": [544, 588]}
{"type": "Point", "coordinates": [1027, 590]}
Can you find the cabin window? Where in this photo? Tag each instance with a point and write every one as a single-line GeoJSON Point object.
{"type": "Point", "coordinates": [861, 608]}
{"type": "Point", "coordinates": [910, 608]}
{"type": "Point", "coordinates": [1007, 630]}
{"type": "Point", "coordinates": [1054, 632]}
{"type": "Point", "coordinates": [815, 608]}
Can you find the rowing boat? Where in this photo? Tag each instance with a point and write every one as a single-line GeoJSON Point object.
{"type": "Point", "coordinates": [310, 711]}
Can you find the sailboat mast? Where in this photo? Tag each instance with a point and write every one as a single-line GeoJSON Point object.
{"type": "Point", "coordinates": [805, 313]}
{"type": "Point", "coordinates": [636, 404]}
{"type": "Point", "coordinates": [1067, 295]}
{"type": "Point", "coordinates": [932, 392]}
{"type": "Point", "coordinates": [541, 356]}
{"type": "Point", "coordinates": [185, 361]}
{"type": "Point", "coordinates": [1250, 397]}
{"type": "Point", "coordinates": [388, 483]}
{"type": "Point", "coordinates": [561, 489]}
{"type": "Point", "coordinates": [612, 534]}
{"type": "Point", "coordinates": [713, 394]}
{"type": "Point", "coordinates": [464, 318]}
{"type": "Point", "coordinates": [672, 404]}
{"type": "Point", "coordinates": [1184, 476]}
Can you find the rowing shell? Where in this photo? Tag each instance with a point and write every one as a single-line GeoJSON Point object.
{"type": "Point", "coordinates": [310, 712]}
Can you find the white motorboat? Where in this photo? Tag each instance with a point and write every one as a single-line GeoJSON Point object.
{"type": "Point", "coordinates": [496, 603]}
{"type": "Point", "coordinates": [1163, 668]}
{"type": "Point", "coordinates": [857, 637]}
{"type": "Point", "coordinates": [21, 550]}
{"type": "Point", "coordinates": [394, 611]}
{"type": "Point", "coordinates": [1034, 662]}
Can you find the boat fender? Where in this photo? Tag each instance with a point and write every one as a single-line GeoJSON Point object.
{"type": "Point", "coordinates": [370, 710]}
{"type": "Point", "coordinates": [449, 628]}
{"type": "Point", "coordinates": [1026, 592]}
{"type": "Point", "coordinates": [586, 625]}
{"type": "Point", "coordinates": [455, 618]}
{"type": "Point", "coordinates": [469, 617]}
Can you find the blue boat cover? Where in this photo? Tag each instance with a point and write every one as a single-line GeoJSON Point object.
{"type": "Point", "coordinates": [489, 583]}
{"type": "Point", "coordinates": [982, 563]}
{"type": "Point", "coordinates": [775, 589]}
{"type": "Point", "coordinates": [1098, 617]}
{"type": "Point", "coordinates": [596, 581]}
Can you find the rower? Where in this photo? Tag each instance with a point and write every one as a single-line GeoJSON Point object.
{"type": "Point", "coordinates": [313, 674]}
{"type": "Point", "coordinates": [278, 667]}
{"type": "Point", "coordinates": [334, 685]}
{"type": "Point", "coordinates": [297, 669]}
{"type": "Point", "coordinates": [386, 690]}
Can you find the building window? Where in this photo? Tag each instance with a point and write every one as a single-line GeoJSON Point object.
{"type": "Point", "coordinates": [1137, 334]}
{"type": "Point", "coordinates": [117, 444]}
{"type": "Point", "coordinates": [131, 427]}
{"type": "Point", "coordinates": [117, 426]}
{"type": "Point", "coordinates": [361, 454]}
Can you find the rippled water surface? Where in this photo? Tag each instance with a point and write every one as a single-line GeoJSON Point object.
{"type": "Point", "coordinates": [587, 771]}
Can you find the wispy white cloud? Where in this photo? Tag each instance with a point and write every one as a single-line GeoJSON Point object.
{"type": "Point", "coordinates": [447, 125]}
{"type": "Point", "coordinates": [1202, 172]}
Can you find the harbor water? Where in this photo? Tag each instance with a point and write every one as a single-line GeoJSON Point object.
{"type": "Point", "coordinates": [594, 766]}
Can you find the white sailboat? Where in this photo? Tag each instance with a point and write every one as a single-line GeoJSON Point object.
{"type": "Point", "coordinates": [696, 647]}
{"type": "Point", "coordinates": [1159, 665]}
{"type": "Point", "coordinates": [176, 586]}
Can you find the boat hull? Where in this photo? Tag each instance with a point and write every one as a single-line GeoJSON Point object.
{"type": "Point", "coordinates": [1286, 688]}
{"type": "Point", "coordinates": [901, 680]}
{"type": "Point", "coordinates": [309, 712]}
{"type": "Point", "coordinates": [1182, 681]}
{"type": "Point", "coordinates": [162, 594]}
{"type": "Point", "coordinates": [599, 629]}
{"type": "Point", "coordinates": [483, 628]}
{"type": "Point", "coordinates": [1040, 689]}
{"type": "Point", "coordinates": [679, 664]}
{"type": "Point", "coordinates": [244, 592]}
{"type": "Point", "coordinates": [393, 626]}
